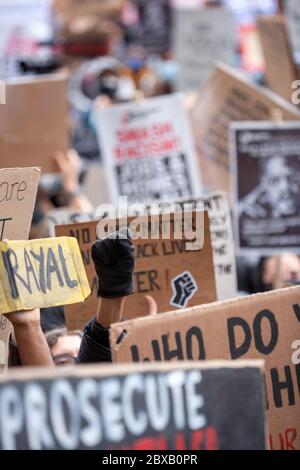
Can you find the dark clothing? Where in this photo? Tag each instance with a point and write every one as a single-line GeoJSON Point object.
{"type": "Point", "coordinates": [13, 355]}
{"type": "Point", "coordinates": [95, 345]}
{"type": "Point", "coordinates": [52, 318]}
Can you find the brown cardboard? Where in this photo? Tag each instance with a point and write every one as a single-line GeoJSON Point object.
{"type": "Point", "coordinates": [18, 188]}
{"type": "Point", "coordinates": [280, 68]}
{"type": "Point", "coordinates": [156, 270]}
{"type": "Point", "coordinates": [272, 324]}
{"type": "Point", "coordinates": [34, 122]}
{"type": "Point", "coordinates": [135, 407]}
{"type": "Point", "coordinates": [228, 96]}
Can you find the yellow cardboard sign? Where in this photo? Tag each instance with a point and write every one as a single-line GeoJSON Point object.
{"type": "Point", "coordinates": [41, 273]}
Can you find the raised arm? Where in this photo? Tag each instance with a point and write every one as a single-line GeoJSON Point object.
{"type": "Point", "coordinates": [28, 336]}
{"type": "Point", "coordinates": [114, 263]}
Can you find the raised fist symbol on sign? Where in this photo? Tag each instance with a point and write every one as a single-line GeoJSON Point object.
{"type": "Point", "coordinates": [184, 287]}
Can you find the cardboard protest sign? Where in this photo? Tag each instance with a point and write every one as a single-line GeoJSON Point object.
{"type": "Point", "coordinates": [266, 186]}
{"type": "Point", "coordinates": [280, 67]}
{"type": "Point", "coordinates": [227, 96]}
{"type": "Point", "coordinates": [41, 273]}
{"type": "Point", "coordinates": [220, 223]}
{"type": "Point", "coordinates": [202, 38]}
{"type": "Point", "coordinates": [32, 142]}
{"type": "Point", "coordinates": [292, 13]}
{"type": "Point", "coordinates": [63, 216]}
{"type": "Point", "coordinates": [5, 331]}
{"type": "Point", "coordinates": [148, 150]}
{"type": "Point", "coordinates": [262, 326]}
{"type": "Point", "coordinates": [165, 267]}
{"type": "Point", "coordinates": [18, 188]}
{"type": "Point", "coordinates": [133, 407]}
{"type": "Point", "coordinates": [155, 19]}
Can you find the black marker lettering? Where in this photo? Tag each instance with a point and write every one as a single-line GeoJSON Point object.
{"type": "Point", "coordinates": [52, 267]}
{"type": "Point", "coordinates": [70, 283]}
{"type": "Point", "coordinates": [232, 324]}
{"type": "Point", "coordinates": [11, 270]}
{"type": "Point", "coordinates": [30, 270]}
{"type": "Point", "coordinates": [41, 259]}
{"type": "Point", "coordinates": [257, 329]}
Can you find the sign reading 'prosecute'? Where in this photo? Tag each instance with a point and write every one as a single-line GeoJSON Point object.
{"type": "Point", "coordinates": [135, 407]}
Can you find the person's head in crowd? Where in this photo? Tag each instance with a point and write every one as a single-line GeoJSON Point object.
{"type": "Point", "coordinates": [281, 184]}
{"type": "Point", "coordinates": [64, 345]}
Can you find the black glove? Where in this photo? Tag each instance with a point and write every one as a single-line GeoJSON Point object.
{"type": "Point", "coordinates": [114, 263]}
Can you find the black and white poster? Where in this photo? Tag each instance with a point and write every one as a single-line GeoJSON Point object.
{"type": "Point", "coordinates": [148, 150]}
{"type": "Point", "coordinates": [266, 186]}
{"type": "Point", "coordinates": [155, 20]}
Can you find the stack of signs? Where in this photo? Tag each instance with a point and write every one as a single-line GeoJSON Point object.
{"type": "Point", "coordinates": [155, 23]}
{"type": "Point", "coordinates": [266, 186]}
{"type": "Point", "coordinates": [32, 142]}
{"type": "Point", "coordinates": [18, 189]}
{"type": "Point", "coordinates": [202, 38]}
{"type": "Point", "coordinates": [41, 273]}
{"type": "Point", "coordinates": [280, 68]}
{"type": "Point", "coordinates": [222, 242]}
{"type": "Point", "coordinates": [292, 11]}
{"type": "Point", "coordinates": [154, 407]}
{"type": "Point", "coordinates": [174, 263]}
{"type": "Point", "coordinates": [228, 96]}
{"type": "Point", "coordinates": [148, 150]}
{"type": "Point", "coordinates": [262, 326]}
{"type": "Point", "coordinates": [24, 24]}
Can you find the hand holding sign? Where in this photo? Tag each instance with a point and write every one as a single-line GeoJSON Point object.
{"type": "Point", "coordinates": [114, 263]}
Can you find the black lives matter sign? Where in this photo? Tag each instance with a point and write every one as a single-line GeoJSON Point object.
{"type": "Point", "coordinates": [192, 407]}
{"type": "Point", "coordinates": [266, 186]}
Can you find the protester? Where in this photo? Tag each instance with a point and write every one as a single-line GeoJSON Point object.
{"type": "Point", "coordinates": [64, 345]}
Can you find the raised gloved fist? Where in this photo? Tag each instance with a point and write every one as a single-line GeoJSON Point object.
{"type": "Point", "coordinates": [113, 258]}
